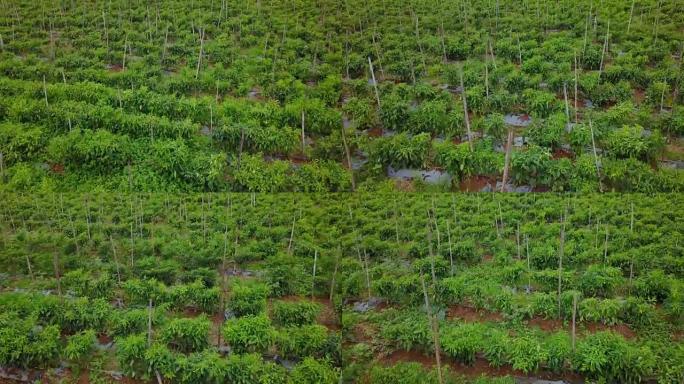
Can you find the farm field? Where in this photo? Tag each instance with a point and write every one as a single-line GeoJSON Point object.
{"type": "Point", "coordinates": [311, 96]}
{"type": "Point", "coordinates": [342, 191]}
{"type": "Point", "coordinates": [323, 288]}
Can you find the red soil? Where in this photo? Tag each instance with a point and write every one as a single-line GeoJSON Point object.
{"type": "Point", "coordinates": [115, 68]}
{"type": "Point", "coordinates": [375, 132]}
{"type": "Point", "coordinates": [103, 338]}
{"type": "Point", "coordinates": [475, 183]}
{"type": "Point", "coordinates": [562, 153]}
{"type": "Point", "coordinates": [471, 314]}
{"type": "Point", "coordinates": [57, 168]}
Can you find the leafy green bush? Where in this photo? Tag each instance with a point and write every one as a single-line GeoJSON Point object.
{"type": "Point", "coordinates": [312, 371]}
{"type": "Point", "coordinates": [80, 346]}
{"type": "Point", "coordinates": [84, 284]}
{"type": "Point", "coordinates": [462, 341]}
{"type": "Point", "coordinates": [295, 313]}
{"type": "Point", "coordinates": [526, 353]}
{"type": "Point", "coordinates": [130, 353]}
{"type": "Point", "coordinates": [655, 285]}
{"type": "Point", "coordinates": [405, 373]}
{"type": "Point", "coordinates": [632, 142]}
{"type": "Point", "coordinates": [531, 165]}
{"type": "Point", "coordinates": [408, 331]}
{"type": "Point", "coordinates": [607, 356]}
{"type": "Point", "coordinates": [599, 280]}
{"type": "Point", "coordinates": [400, 150]}
{"type": "Point", "coordinates": [299, 342]}
{"type": "Point", "coordinates": [249, 333]}
{"type": "Point", "coordinates": [187, 334]}
{"type": "Point", "coordinates": [82, 314]}
{"type": "Point", "coordinates": [24, 344]}
{"type": "Point", "coordinates": [248, 300]}
{"type": "Point", "coordinates": [559, 351]}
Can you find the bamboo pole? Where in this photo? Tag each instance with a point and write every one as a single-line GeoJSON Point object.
{"type": "Point", "coordinates": [596, 161]}
{"type": "Point", "coordinates": [348, 154]}
{"type": "Point", "coordinates": [529, 269]}
{"type": "Point", "coordinates": [435, 329]}
{"type": "Point", "coordinates": [560, 261]}
{"type": "Point", "coordinates": [375, 83]}
{"type": "Point", "coordinates": [631, 13]}
{"type": "Point", "coordinates": [451, 255]}
{"type": "Point", "coordinates": [201, 51]}
{"type": "Point", "coordinates": [507, 160]}
{"type": "Point", "coordinates": [116, 259]}
{"type": "Point", "coordinates": [605, 49]}
{"type": "Point", "coordinates": [465, 111]}
{"type": "Point", "coordinates": [313, 280]}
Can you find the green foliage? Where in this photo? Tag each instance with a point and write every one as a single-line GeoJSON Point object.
{"type": "Point", "coordinates": [299, 342]}
{"type": "Point", "coordinates": [249, 334]}
{"type": "Point", "coordinates": [295, 313]}
{"type": "Point", "coordinates": [462, 341]}
{"type": "Point", "coordinates": [549, 132]}
{"type": "Point", "coordinates": [248, 299]}
{"type": "Point", "coordinates": [529, 166]}
{"type": "Point", "coordinates": [400, 150]}
{"type": "Point", "coordinates": [24, 344]}
{"type": "Point", "coordinates": [633, 142]}
{"type": "Point", "coordinates": [402, 372]}
{"type": "Point", "coordinates": [311, 371]}
{"type": "Point", "coordinates": [97, 151]}
{"type": "Point", "coordinates": [257, 175]}
{"type": "Point", "coordinates": [655, 285]}
{"type": "Point", "coordinates": [187, 335]}
{"type": "Point", "coordinates": [599, 280]}
{"type": "Point", "coordinates": [130, 353]}
{"type": "Point", "coordinates": [85, 285]}
{"type": "Point", "coordinates": [80, 346]}
{"type": "Point", "coordinates": [526, 354]}
{"type": "Point", "coordinates": [408, 331]}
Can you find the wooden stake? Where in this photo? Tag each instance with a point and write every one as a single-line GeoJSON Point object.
{"type": "Point", "coordinates": [45, 92]}
{"type": "Point", "coordinates": [201, 52]}
{"type": "Point", "coordinates": [596, 161]}
{"type": "Point", "coordinates": [348, 154]}
{"type": "Point", "coordinates": [465, 111]}
{"type": "Point", "coordinates": [303, 135]}
{"type": "Point", "coordinates": [365, 262]}
{"type": "Point", "coordinates": [451, 255]}
{"type": "Point", "coordinates": [576, 88]}
{"type": "Point", "coordinates": [58, 277]}
{"type": "Point", "coordinates": [116, 260]}
{"type": "Point", "coordinates": [313, 280]}
{"type": "Point", "coordinates": [2, 168]}
{"type": "Point", "coordinates": [605, 247]}
{"type": "Point", "coordinates": [560, 262]}
{"type": "Point", "coordinates": [375, 83]}
{"type": "Point", "coordinates": [529, 269]}
{"type": "Point", "coordinates": [507, 160]}
{"type": "Point", "coordinates": [123, 66]}
{"type": "Point", "coordinates": [567, 106]}
{"type": "Point", "coordinates": [333, 281]}
{"type": "Point", "coordinates": [603, 52]}
{"type": "Point", "coordinates": [574, 324]}
{"type": "Point", "coordinates": [631, 13]}
{"type": "Point", "coordinates": [435, 329]}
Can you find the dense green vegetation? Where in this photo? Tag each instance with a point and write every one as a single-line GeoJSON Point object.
{"type": "Point", "coordinates": [307, 287]}
{"type": "Point", "coordinates": [174, 178]}
{"type": "Point", "coordinates": [175, 282]}
{"type": "Point", "coordinates": [506, 280]}
{"type": "Point", "coordinates": [278, 96]}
